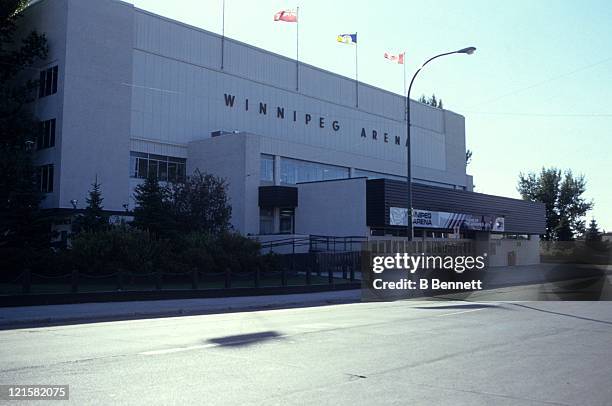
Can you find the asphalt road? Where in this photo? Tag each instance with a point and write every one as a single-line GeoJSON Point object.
{"type": "Point", "coordinates": [412, 352]}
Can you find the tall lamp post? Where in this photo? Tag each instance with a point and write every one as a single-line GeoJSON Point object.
{"type": "Point", "coordinates": [468, 51]}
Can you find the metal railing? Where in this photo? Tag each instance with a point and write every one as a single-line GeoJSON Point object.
{"type": "Point", "coordinates": [315, 243]}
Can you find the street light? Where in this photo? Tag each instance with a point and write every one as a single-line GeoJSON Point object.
{"type": "Point", "coordinates": [467, 51]}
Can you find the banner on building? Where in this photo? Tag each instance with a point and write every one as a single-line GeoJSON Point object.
{"type": "Point", "coordinates": [439, 219]}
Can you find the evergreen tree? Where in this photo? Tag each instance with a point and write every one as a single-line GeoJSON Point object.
{"type": "Point", "coordinates": [153, 209]}
{"type": "Point", "coordinates": [93, 219]}
{"type": "Point", "coordinates": [23, 226]}
{"type": "Point", "coordinates": [592, 233]}
{"type": "Point", "coordinates": [432, 101]}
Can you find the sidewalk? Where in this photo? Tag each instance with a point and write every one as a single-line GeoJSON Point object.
{"type": "Point", "coordinates": [31, 316]}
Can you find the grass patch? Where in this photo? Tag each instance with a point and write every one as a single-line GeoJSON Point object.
{"type": "Point", "coordinates": [169, 283]}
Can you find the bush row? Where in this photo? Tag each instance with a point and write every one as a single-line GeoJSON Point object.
{"type": "Point", "coordinates": [138, 251]}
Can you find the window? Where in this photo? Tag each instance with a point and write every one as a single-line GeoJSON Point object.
{"type": "Point", "coordinates": [164, 168]}
{"type": "Point", "coordinates": [286, 221]}
{"type": "Point", "coordinates": [46, 178]}
{"type": "Point", "coordinates": [47, 84]}
{"type": "Point", "coordinates": [360, 173]}
{"type": "Point", "coordinates": [295, 171]}
{"type": "Point", "coordinates": [267, 168]}
{"type": "Point", "coordinates": [46, 134]}
{"type": "Point", "coordinates": [266, 221]}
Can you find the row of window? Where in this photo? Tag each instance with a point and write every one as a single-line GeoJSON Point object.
{"type": "Point", "coordinates": [267, 168]}
{"type": "Point", "coordinates": [294, 171]}
{"type": "Point", "coordinates": [47, 84]}
{"type": "Point", "coordinates": [46, 134]}
{"type": "Point", "coordinates": [45, 174]}
{"type": "Point", "coordinates": [163, 168]}
{"type": "Point", "coordinates": [286, 221]}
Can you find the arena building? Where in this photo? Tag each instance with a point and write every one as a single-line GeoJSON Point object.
{"type": "Point", "coordinates": [125, 93]}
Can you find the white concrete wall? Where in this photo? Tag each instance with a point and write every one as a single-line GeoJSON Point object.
{"type": "Point", "coordinates": [334, 208]}
{"type": "Point", "coordinates": [178, 97]}
{"type": "Point", "coordinates": [234, 158]}
{"type": "Point", "coordinates": [527, 252]}
{"type": "Point", "coordinates": [49, 17]}
{"type": "Point", "coordinates": [91, 41]}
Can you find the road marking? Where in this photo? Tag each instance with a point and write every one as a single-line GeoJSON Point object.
{"type": "Point", "coordinates": [463, 311]}
{"type": "Point", "coordinates": [178, 349]}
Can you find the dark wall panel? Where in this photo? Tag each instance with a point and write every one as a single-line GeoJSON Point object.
{"type": "Point", "coordinates": [278, 196]}
{"type": "Point", "coordinates": [520, 216]}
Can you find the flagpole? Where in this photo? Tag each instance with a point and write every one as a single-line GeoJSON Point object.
{"type": "Point", "coordinates": [356, 74]}
{"type": "Point", "coordinates": [297, 49]}
{"type": "Point", "coordinates": [223, 36]}
{"type": "Point", "coordinates": [404, 94]}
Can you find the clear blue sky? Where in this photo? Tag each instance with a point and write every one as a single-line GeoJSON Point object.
{"type": "Point", "coordinates": [538, 92]}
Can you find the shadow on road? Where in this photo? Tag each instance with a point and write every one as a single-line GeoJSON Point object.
{"type": "Point", "coordinates": [245, 339]}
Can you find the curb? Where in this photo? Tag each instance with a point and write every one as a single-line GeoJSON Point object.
{"type": "Point", "coordinates": [202, 309]}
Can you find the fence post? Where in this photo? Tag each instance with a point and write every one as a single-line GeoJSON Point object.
{"type": "Point", "coordinates": [308, 275]}
{"type": "Point", "coordinates": [284, 277]}
{"type": "Point", "coordinates": [228, 278]}
{"type": "Point", "coordinates": [27, 281]}
{"type": "Point", "coordinates": [120, 279]}
{"type": "Point", "coordinates": [194, 278]}
{"type": "Point", "coordinates": [330, 275]}
{"type": "Point", "coordinates": [353, 265]}
{"type": "Point", "coordinates": [257, 277]}
{"type": "Point", "coordinates": [344, 266]}
{"type": "Point", "coordinates": [293, 255]}
{"type": "Point", "coordinates": [74, 281]}
{"type": "Point", "coordinates": [158, 279]}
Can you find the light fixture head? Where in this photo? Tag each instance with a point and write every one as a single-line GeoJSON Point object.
{"type": "Point", "coordinates": [468, 50]}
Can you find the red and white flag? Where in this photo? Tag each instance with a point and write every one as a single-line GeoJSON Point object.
{"type": "Point", "coordinates": [399, 59]}
{"type": "Point", "coordinates": [289, 16]}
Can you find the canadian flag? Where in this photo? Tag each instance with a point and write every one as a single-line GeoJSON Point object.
{"type": "Point", "coordinates": [289, 16]}
{"type": "Point", "coordinates": [399, 59]}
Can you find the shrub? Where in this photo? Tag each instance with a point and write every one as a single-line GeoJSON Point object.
{"type": "Point", "coordinates": [119, 247]}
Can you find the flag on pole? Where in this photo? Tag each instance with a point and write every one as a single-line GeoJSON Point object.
{"type": "Point", "coordinates": [399, 58]}
{"type": "Point", "coordinates": [288, 16]}
{"type": "Point", "coordinates": [349, 39]}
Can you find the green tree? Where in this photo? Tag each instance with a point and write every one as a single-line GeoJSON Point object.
{"type": "Point", "coordinates": [22, 224]}
{"type": "Point", "coordinates": [562, 195]}
{"type": "Point", "coordinates": [572, 205]}
{"type": "Point", "coordinates": [153, 208]}
{"type": "Point", "coordinates": [432, 101]}
{"type": "Point", "coordinates": [94, 219]}
{"type": "Point", "coordinates": [200, 204]}
{"type": "Point", "coordinates": [592, 233]}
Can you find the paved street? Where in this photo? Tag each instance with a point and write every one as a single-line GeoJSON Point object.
{"type": "Point", "coordinates": [413, 352]}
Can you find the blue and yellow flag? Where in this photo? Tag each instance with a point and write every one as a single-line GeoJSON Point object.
{"type": "Point", "coordinates": [347, 38]}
